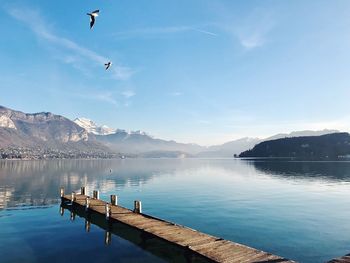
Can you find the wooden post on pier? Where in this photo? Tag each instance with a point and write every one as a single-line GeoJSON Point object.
{"type": "Point", "coordinates": [74, 197]}
{"type": "Point", "coordinates": [213, 248]}
{"type": "Point", "coordinates": [114, 200]}
{"type": "Point", "coordinates": [62, 192]}
{"type": "Point", "coordinates": [108, 210]}
{"type": "Point", "coordinates": [137, 207]}
{"type": "Point", "coordinates": [96, 194]}
{"type": "Point", "coordinates": [87, 203]}
{"type": "Point", "coordinates": [83, 190]}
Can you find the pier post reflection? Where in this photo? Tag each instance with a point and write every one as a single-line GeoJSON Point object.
{"type": "Point", "coordinates": [87, 225]}
{"type": "Point", "coordinates": [108, 237]}
{"type": "Point", "coordinates": [72, 216]}
{"type": "Point", "coordinates": [61, 211]}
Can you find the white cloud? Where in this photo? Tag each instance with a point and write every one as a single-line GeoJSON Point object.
{"type": "Point", "coordinates": [205, 32]}
{"type": "Point", "coordinates": [253, 36]}
{"type": "Point", "coordinates": [176, 93]}
{"type": "Point", "coordinates": [39, 26]}
{"type": "Point", "coordinates": [128, 94]}
{"type": "Point", "coordinates": [154, 31]}
{"type": "Point", "coordinates": [251, 41]}
{"type": "Point", "coordinates": [107, 97]}
{"type": "Point", "coordinates": [254, 31]}
{"type": "Point", "coordinates": [251, 30]}
{"type": "Point", "coordinates": [121, 73]}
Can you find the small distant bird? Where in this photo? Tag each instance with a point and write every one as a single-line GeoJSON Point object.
{"type": "Point", "coordinates": [93, 16]}
{"type": "Point", "coordinates": [107, 65]}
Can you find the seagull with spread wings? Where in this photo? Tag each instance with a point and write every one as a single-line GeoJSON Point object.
{"type": "Point", "coordinates": [93, 16]}
{"type": "Point", "coordinates": [107, 65]}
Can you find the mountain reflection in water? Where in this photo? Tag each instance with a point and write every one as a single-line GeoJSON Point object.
{"type": "Point", "coordinates": [297, 210]}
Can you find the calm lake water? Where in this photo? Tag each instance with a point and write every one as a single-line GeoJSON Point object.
{"type": "Point", "coordinates": [299, 210]}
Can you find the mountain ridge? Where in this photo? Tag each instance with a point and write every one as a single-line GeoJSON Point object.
{"type": "Point", "coordinates": [125, 142]}
{"type": "Point", "coordinates": [235, 147]}
{"type": "Point", "coordinates": [45, 130]}
{"type": "Point", "coordinates": [32, 134]}
{"type": "Point", "coordinates": [332, 146]}
{"type": "Point", "coordinates": [140, 143]}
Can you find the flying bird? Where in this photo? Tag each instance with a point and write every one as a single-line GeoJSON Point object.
{"type": "Point", "coordinates": [107, 65]}
{"type": "Point", "coordinates": [93, 16]}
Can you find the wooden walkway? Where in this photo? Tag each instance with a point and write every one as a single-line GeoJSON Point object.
{"type": "Point", "coordinates": [210, 247]}
{"type": "Point", "coordinates": [345, 259]}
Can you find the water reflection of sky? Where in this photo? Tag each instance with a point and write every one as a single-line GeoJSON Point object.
{"type": "Point", "coordinates": [295, 209]}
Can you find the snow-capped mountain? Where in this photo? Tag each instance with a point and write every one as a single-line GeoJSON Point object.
{"type": "Point", "coordinates": [135, 142]}
{"type": "Point", "coordinates": [6, 122]}
{"type": "Point", "coordinates": [138, 133]}
{"type": "Point", "coordinates": [36, 135]}
{"type": "Point", "coordinates": [45, 130]}
{"type": "Point", "coordinates": [93, 128]}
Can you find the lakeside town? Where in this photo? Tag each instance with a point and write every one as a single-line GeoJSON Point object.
{"type": "Point", "coordinates": [46, 153]}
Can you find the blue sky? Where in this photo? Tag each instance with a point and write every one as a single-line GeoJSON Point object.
{"type": "Point", "coordinates": [204, 71]}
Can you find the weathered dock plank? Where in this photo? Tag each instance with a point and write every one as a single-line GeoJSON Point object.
{"type": "Point", "coordinates": [210, 247]}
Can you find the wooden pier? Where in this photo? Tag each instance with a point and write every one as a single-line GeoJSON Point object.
{"type": "Point", "coordinates": [212, 248]}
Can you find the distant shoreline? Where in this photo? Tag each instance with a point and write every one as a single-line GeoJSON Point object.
{"type": "Point", "coordinates": [272, 159]}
